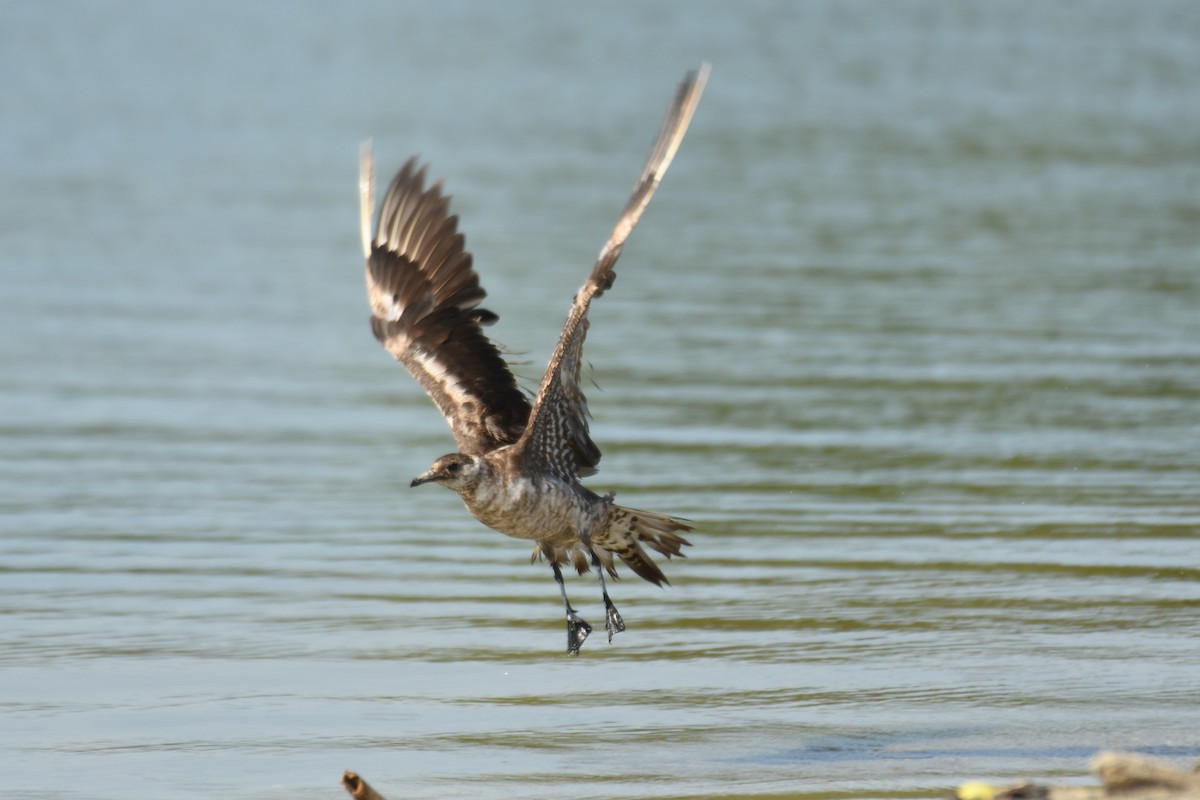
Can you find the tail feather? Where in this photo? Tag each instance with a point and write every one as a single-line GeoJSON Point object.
{"type": "Point", "coordinates": [629, 528]}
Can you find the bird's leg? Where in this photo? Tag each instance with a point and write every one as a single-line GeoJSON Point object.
{"type": "Point", "coordinates": [612, 618]}
{"type": "Point", "coordinates": [577, 628]}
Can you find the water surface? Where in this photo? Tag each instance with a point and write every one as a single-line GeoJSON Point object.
{"type": "Point", "coordinates": [910, 332]}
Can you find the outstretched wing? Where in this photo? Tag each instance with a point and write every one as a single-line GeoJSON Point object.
{"type": "Point", "coordinates": [556, 440]}
{"type": "Point", "coordinates": [424, 298]}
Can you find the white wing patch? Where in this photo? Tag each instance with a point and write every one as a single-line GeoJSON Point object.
{"type": "Point", "coordinates": [443, 377]}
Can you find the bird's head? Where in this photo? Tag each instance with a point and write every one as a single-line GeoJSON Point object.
{"type": "Point", "coordinates": [456, 471]}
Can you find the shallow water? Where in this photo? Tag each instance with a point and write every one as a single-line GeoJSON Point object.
{"type": "Point", "coordinates": [910, 332]}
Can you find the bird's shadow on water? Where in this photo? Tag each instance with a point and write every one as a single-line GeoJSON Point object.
{"type": "Point", "coordinates": [900, 747]}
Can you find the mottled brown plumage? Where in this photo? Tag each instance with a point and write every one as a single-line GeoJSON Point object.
{"type": "Point", "coordinates": [424, 297]}
{"type": "Point", "coordinates": [518, 466]}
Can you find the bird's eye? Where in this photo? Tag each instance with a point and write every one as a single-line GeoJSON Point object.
{"type": "Point", "coordinates": [454, 468]}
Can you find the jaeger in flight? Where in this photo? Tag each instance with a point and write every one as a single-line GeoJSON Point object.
{"type": "Point", "coordinates": [518, 465]}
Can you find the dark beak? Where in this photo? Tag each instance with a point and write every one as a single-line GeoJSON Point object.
{"type": "Point", "coordinates": [422, 478]}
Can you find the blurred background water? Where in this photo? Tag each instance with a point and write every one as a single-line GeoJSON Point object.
{"type": "Point", "coordinates": [910, 331]}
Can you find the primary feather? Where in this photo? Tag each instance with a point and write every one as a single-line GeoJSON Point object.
{"type": "Point", "coordinates": [424, 298]}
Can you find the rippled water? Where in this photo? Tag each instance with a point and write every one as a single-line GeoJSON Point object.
{"type": "Point", "coordinates": [910, 331]}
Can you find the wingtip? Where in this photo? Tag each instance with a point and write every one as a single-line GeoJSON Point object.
{"type": "Point", "coordinates": [366, 193]}
{"type": "Point", "coordinates": [690, 92]}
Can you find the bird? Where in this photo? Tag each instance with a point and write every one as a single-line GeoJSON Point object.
{"type": "Point", "coordinates": [519, 463]}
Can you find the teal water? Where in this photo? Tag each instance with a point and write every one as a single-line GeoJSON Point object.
{"type": "Point", "coordinates": [910, 331]}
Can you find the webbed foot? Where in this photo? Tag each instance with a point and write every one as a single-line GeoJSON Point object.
{"type": "Point", "coordinates": [577, 632]}
{"type": "Point", "coordinates": [612, 621]}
